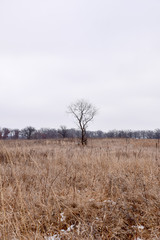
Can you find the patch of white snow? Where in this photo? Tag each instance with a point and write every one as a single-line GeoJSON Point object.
{"type": "Point", "coordinates": [70, 228]}
{"type": "Point", "coordinates": [91, 199]}
{"type": "Point", "coordinates": [110, 201]}
{"type": "Point", "coordinates": [138, 238]}
{"type": "Point", "coordinates": [62, 217]}
{"type": "Point", "coordinates": [57, 236]}
{"type": "Point", "coordinates": [54, 237]}
{"type": "Point", "coordinates": [140, 227]}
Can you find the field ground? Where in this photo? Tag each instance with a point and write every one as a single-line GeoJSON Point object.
{"type": "Point", "coordinates": [52, 189]}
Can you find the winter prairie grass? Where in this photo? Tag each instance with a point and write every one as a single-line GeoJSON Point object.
{"type": "Point", "coordinates": [53, 189]}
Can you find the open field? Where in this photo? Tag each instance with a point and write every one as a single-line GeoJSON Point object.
{"type": "Point", "coordinates": [107, 190]}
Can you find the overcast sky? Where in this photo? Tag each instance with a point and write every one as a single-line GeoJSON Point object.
{"type": "Point", "coordinates": [53, 52]}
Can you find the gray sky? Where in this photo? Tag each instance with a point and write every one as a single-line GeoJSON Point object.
{"type": "Point", "coordinates": [53, 52]}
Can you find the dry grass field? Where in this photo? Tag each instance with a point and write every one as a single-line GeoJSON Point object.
{"type": "Point", "coordinates": [52, 189]}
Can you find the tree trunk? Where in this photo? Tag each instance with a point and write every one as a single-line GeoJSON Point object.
{"type": "Point", "coordinates": [83, 137]}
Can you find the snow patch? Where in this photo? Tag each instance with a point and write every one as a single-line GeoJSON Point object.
{"type": "Point", "coordinates": [57, 236]}
{"type": "Point", "coordinates": [54, 237]}
{"type": "Point", "coordinates": [70, 228]}
{"type": "Point", "coordinates": [91, 199]}
{"type": "Point", "coordinates": [63, 218]}
{"type": "Point", "coordinates": [140, 227]}
{"type": "Point", "coordinates": [110, 201]}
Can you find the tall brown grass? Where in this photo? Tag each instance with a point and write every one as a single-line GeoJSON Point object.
{"type": "Point", "coordinates": [109, 189]}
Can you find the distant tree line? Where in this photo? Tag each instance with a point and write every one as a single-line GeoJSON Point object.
{"type": "Point", "coordinates": [63, 132]}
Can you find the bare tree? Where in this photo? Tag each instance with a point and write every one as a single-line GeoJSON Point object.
{"type": "Point", "coordinates": [5, 133]}
{"type": "Point", "coordinates": [15, 133]}
{"type": "Point", "coordinates": [0, 133]}
{"type": "Point", "coordinates": [28, 132]}
{"type": "Point", "coordinates": [84, 113]}
{"type": "Point", "coordinates": [63, 131]}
